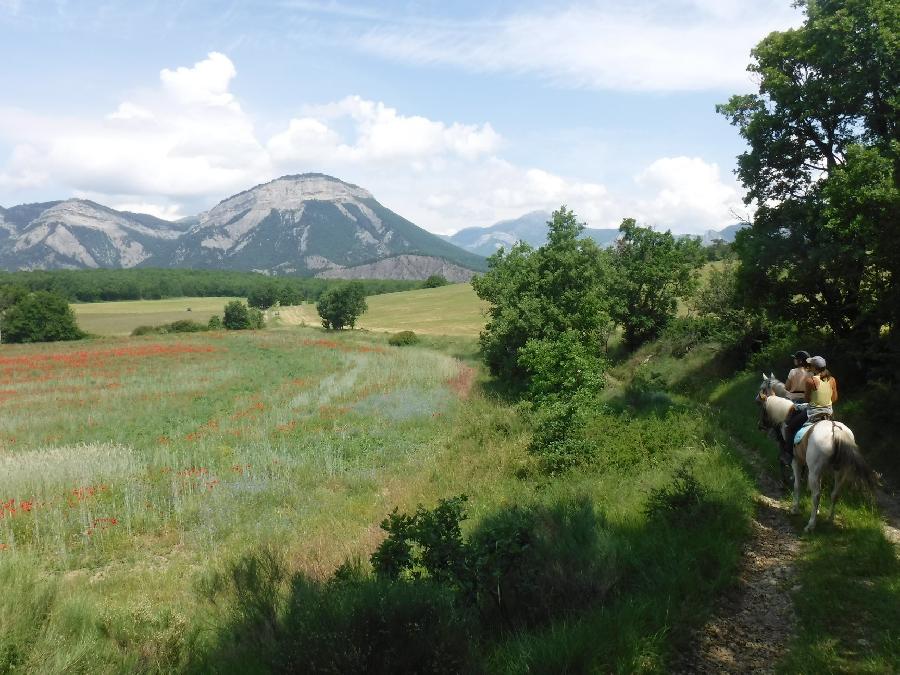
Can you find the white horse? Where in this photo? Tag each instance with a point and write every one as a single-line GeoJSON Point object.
{"type": "Point", "coordinates": [828, 445]}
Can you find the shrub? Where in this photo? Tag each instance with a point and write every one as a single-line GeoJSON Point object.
{"type": "Point", "coordinates": [350, 624]}
{"type": "Point", "coordinates": [681, 503]}
{"type": "Point", "coordinates": [341, 306]}
{"type": "Point", "coordinates": [263, 297]}
{"type": "Point", "coordinates": [41, 316]}
{"type": "Point", "coordinates": [538, 294]}
{"type": "Point", "coordinates": [184, 326]}
{"type": "Point", "coordinates": [435, 281]}
{"type": "Point", "coordinates": [240, 317]}
{"type": "Point", "coordinates": [257, 318]}
{"type": "Point", "coordinates": [558, 439]}
{"type": "Point", "coordinates": [561, 366]}
{"type": "Point", "coordinates": [403, 338]}
{"type": "Point", "coordinates": [214, 323]}
{"type": "Point", "coordinates": [148, 330]}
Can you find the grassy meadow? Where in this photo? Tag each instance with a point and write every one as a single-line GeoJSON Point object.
{"type": "Point", "coordinates": [133, 469]}
{"type": "Point", "coordinates": [122, 317]}
{"type": "Point", "coordinates": [448, 310]}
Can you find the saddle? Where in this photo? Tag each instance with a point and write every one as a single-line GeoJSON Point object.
{"type": "Point", "coordinates": [801, 439]}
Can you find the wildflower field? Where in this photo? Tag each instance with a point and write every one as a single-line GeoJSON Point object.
{"type": "Point", "coordinates": [133, 471]}
{"type": "Point", "coordinates": [128, 465]}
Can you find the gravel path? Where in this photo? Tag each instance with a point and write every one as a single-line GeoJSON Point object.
{"type": "Point", "coordinates": [754, 620]}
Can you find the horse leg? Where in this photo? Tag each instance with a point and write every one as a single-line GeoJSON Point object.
{"type": "Point", "coordinates": [838, 483]}
{"type": "Point", "coordinates": [795, 465]}
{"type": "Point", "coordinates": [815, 488]}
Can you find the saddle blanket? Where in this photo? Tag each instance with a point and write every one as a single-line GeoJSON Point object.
{"type": "Point", "coordinates": [798, 437]}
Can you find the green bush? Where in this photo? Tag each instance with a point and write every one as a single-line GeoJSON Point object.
{"type": "Point", "coordinates": [340, 307]}
{"type": "Point", "coordinates": [403, 338]}
{"type": "Point", "coordinates": [148, 330]}
{"type": "Point", "coordinates": [180, 326]}
{"type": "Point", "coordinates": [435, 281]}
{"type": "Point", "coordinates": [240, 317]}
{"type": "Point", "coordinates": [277, 622]}
{"type": "Point", "coordinates": [41, 316]}
{"type": "Point", "coordinates": [215, 322]}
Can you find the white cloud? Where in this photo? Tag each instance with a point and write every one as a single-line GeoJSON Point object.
{"type": "Point", "coordinates": [164, 211]}
{"type": "Point", "coordinates": [178, 148]}
{"type": "Point", "coordinates": [130, 111]}
{"type": "Point", "coordinates": [205, 83]}
{"type": "Point", "coordinates": [689, 193]}
{"type": "Point", "coordinates": [381, 134]}
{"type": "Point", "coordinates": [670, 45]}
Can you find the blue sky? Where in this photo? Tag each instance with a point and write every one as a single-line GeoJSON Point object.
{"type": "Point", "coordinates": [452, 114]}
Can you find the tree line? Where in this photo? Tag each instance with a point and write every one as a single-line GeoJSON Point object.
{"type": "Point", "coordinates": [156, 284]}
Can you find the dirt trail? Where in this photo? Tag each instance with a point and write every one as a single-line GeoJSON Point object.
{"type": "Point", "coordinates": [755, 619]}
{"type": "Point", "coordinates": [889, 504]}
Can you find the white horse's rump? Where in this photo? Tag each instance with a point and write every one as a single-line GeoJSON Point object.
{"type": "Point", "coordinates": [830, 444]}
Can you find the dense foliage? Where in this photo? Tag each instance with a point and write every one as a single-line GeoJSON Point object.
{"type": "Point", "coordinates": [823, 166]}
{"type": "Point", "coordinates": [37, 317]}
{"type": "Point", "coordinates": [435, 281]}
{"type": "Point", "coordinates": [403, 338]}
{"type": "Point", "coordinates": [539, 294]}
{"type": "Point", "coordinates": [154, 284]}
{"type": "Point", "coordinates": [652, 270]}
{"type": "Point", "coordinates": [239, 316]}
{"type": "Point", "coordinates": [341, 306]}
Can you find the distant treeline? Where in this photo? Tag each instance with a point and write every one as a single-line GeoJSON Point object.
{"type": "Point", "coordinates": [155, 284]}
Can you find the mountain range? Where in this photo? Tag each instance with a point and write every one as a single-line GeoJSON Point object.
{"type": "Point", "coordinates": [306, 224]}
{"type": "Point", "coordinates": [309, 224]}
{"type": "Point", "coordinates": [532, 229]}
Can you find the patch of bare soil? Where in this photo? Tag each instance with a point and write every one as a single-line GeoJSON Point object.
{"type": "Point", "coordinates": [754, 620]}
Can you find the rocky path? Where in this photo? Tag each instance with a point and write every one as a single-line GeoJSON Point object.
{"type": "Point", "coordinates": [754, 620]}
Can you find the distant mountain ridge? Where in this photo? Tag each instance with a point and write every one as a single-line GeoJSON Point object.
{"type": "Point", "coordinates": [532, 229]}
{"type": "Point", "coordinates": [299, 224]}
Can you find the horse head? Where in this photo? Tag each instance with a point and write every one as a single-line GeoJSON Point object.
{"type": "Point", "coordinates": [770, 386]}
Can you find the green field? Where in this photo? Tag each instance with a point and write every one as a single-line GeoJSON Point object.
{"type": "Point", "coordinates": [448, 310]}
{"type": "Point", "coordinates": [133, 469]}
{"type": "Point", "coordinates": [120, 318]}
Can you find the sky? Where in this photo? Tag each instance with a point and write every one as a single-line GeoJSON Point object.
{"type": "Point", "coordinates": [453, 114]}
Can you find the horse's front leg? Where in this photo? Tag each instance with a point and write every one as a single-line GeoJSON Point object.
{"type": "Point", "coordinates": [838, 483]}
{"type": "Point", "coordinates": [795, 465]}
{"type": "Point", "coordinates": [815, 488]}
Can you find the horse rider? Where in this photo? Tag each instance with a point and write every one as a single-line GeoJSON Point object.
{"type": "Point", "coordinates": [796, 379]}
{"type": "Point", "coordinates": [820, 393]}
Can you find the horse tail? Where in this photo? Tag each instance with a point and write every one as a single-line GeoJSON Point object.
{"type": "Point", "coordinates": [848, 456]}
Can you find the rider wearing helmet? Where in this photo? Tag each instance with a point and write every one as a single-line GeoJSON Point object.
{"type": "Point", "coordinates": [820, 392]}
{"type": "Point", "coordinates": [796, 379]}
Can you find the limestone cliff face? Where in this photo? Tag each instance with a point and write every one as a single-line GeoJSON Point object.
{"type": "Point", "coordinates": [302, 224]}
{"type": "Point", "coordinates": [77, 233]}
{"type": "Point", "coordinates": [401, 267]}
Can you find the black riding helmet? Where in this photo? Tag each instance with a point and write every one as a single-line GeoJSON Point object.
{"type": "Point", "coordinates": [802, 355]}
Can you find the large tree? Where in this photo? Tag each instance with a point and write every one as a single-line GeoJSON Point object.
{"type": "Point", "coordinates": [652, 270]}
{"type": "Point", "coordinates": [40, 317]}
{"type": "Point", "coordinates": [341, 306]}
{"type": "Point", "coordinates": [542, 294]}
{"type": "Point", "coordinates": [823, 167]}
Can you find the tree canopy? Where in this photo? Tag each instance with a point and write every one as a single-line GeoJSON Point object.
{"type": "Point", "coordinates": [823, 166]}
{"type": "Point", "coordinates": [652, 270]}
{"type": "Point", "coordinates": [341, 306]}
{"type": "Point", "coordinates": [39, 317]}
{"type": "Point", "coordinates": [540, 294]}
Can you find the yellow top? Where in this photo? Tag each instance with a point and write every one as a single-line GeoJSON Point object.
{"type": "Point", "coordinates": [821, 396]}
